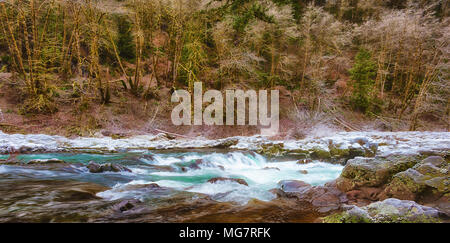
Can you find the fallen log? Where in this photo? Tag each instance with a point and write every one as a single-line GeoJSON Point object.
{"type": "Point", "coordinates": [171, 133]}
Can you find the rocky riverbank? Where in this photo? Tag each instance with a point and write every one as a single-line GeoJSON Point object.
{"type": "Point", "coordinates": [348, 177]}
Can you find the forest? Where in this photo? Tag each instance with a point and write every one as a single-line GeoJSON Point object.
{"type": "Point", "coordinates": [344, 61]}
{"type": "Point", "coordinates": [88, 89]}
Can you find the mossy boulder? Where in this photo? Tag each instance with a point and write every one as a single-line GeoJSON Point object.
{"type": "Point", "coordinates": [406, 185]}
{"type": "Point", "coordinates": [226, 142]}
{"type": "Point", "coordinates": [272, 149]}
{"type": "Point", "coordinates": [338, 152]}
{"type": "Point", "coordinates": [440, 184]}
{"type": "Point", "coordinates": [388, 211]}
{"type": "Point", "coordinates": [430, 175]}
{"type": "Point", "coordinates": [372, 172]}
{"type": "Point", "coordinates": [354, 215]}
{"type": "Point", "coordinates": [320, 154]}
{"type": "Point", "coordinates": [361, 147]}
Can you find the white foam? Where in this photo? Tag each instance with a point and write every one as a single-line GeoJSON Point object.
{"type": "Point", "coordinates": [232, 191]}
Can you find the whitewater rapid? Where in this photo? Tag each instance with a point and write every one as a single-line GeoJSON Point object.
{"type": "Point", "coordinates": [158, 159]}
{"type": "Point", "coordinates": [260, 174]}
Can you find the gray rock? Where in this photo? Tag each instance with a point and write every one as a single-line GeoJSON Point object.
{"type": "Point", "coordinates": [293, 185]}
{"type": "Point", "coordinates": [435, 160]}
{"type": "Point", "coordinates": [226, 142]}
{"type": "Point", "coordinates": [429, 175]}
{"type": "Point", "coordinates": [391, 210]}
{"type": "Point", "coordinates": [372, 172]}
{"type": "Point", "coordinates": [322, 199]}
{"type": "Point", "coordinates": [108, 167]}
{"type": "Point", "coordinates": [126, 205]}
{"type": "Point", "coordinates": [217, 179]}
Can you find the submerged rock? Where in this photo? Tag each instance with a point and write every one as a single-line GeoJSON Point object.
{"type": "Point", "coordinates": [166, 168]}
{"type": "Point", "coordinates": [304, 161]}
{"type": "Point", "coordinates": [196, 165]}
{"type": "Point", "coordinates": [216, 179]}
{"type": "Point", "coordinates": [391, 210]}
{"type": "Point", "coordinates": [47, 164]}
{"type": "Point", "coordinates": [191, 165]}
{"type": "Point", "coordinates": [108, 167]}
{"type": "Point", "coordinates": [76, 194]}
{"type": "Point", "coordinates": [271, 168]}
{"type": "Point", "coordinates": [135, 187]}
{"type": "Point", "coordinates": [51, 201]}
{"type": "Point", "coordinates": [303, 172]}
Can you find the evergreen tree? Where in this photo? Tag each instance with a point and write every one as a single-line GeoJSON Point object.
{"type": "Point", "coordinates": [125, 43]}
{"type": "Point", "coordinates": [363, 74]}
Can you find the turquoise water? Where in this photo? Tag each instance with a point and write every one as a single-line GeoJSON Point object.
{"type": "Point", "coordinates": [183, 171]}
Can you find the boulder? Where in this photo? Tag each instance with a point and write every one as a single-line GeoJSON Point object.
{"type": "Point", "coordinates": [293, 185]}
{"type": "Point", "coordinates": [272, 149]}
{"type": "Point", "coordinates": [195, 165]}
{"type": "Point", "coordinates": [401, 177]}
{"type": "Point", "coordinates": [430, 175]}
{"type": "Point", "coordinates": [320, 154]}
{"type": "Point", "coordinates": [216, 179]}
{"type": "Point", "coordinates": [361, 147]}
{"type": "Point", "coordinates": [322, 199]}
{"type": "Point", "coordinates": [226, 142]}
{"type": "Point", "coordinates": [372, 172]}
{"type": "Point", "coordinates": [391, 210]}
{"type": "Point", "coordinates": [406, 185]}
{"type": "Point", "coordinates": [108, 167]}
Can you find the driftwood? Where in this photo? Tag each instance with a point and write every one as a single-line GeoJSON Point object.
{"type": "Point", "coordinates": [171, 133]}
{"type": "Point", "coordinates": [346, 124]}
{"type": "Point", "coordinates": [7, 125]}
